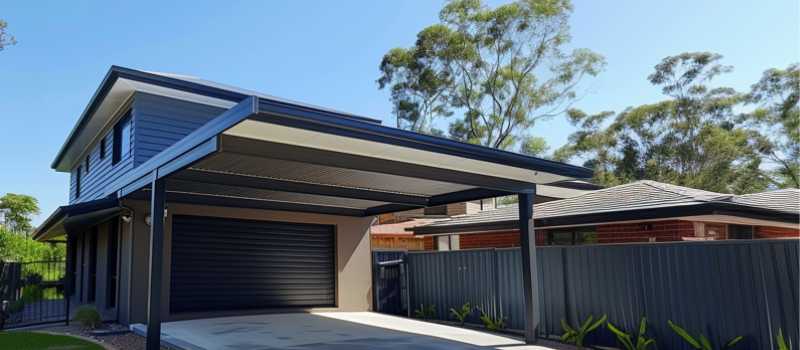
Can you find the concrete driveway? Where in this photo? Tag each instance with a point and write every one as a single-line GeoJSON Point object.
{"type": "Point", "coordinates": [328, 330]}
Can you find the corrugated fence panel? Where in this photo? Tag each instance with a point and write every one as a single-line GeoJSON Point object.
{"type": "Point", "coordinates": [722, 288]}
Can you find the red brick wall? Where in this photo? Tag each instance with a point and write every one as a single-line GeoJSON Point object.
{"type": "Point", "coordinates": [494, 240]}
{"type": "Point", "coordinates": [776, 232]}
{"type": "Point", "coordinates": [662, 231]}
{"type": "Point", "coordinates": [429, 243]}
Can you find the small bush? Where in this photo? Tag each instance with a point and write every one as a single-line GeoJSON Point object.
{"type": "Point", "coordinates": [576, 335]}
{"type": "Point", "coordinates": [462, 314]}
{"type": "Point", "coordinates": [88, 317]}
{"type": "Point", "coordinates": [32, 294]}
{"type": "Point", "coordinates": [425, 312]}
{"type": "Point", "coordinates": [16, 306]}
{"type": "Point", "coordinates": [493, 324]}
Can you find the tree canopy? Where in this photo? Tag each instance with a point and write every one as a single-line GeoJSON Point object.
{"type": "Point", "coordinates": [697, 136]}
{"type": "Point", "coordinates": [5, 38]}
{"type": "Point", "coordinates": [501, 69]}
{"type": "Point", "coordinates": [17, 210]}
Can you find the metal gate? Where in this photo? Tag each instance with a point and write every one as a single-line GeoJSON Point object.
{"type": "Point", "coordinates": [390, 279]}
{"type": "Point", "coordinates": [32, 293]}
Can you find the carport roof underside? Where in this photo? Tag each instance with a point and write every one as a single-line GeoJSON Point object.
{"type": "Point", "coordinates": [272, 154]}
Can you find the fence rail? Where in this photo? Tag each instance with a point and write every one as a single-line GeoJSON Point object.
{"type": "Point", "coordinates": [32, 293]}
{"type": "Point", "coordinates": [720, 288]}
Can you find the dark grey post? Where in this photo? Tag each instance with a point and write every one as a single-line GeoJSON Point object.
{"type": "Point", "coordinates": [157, 206]}
{"type": "Point", "coordinates": [69, 246]}
{"type": "Point", "coordinates": [529, 275]}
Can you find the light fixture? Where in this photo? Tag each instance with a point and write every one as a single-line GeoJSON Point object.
{"type": "Point", "coordinates": [148, 220]}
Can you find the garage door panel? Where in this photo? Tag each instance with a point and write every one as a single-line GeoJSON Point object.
{"type": "Point", "coordinates": [229, 264]}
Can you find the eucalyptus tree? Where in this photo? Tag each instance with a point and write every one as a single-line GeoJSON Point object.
{"type": "Point", "coordinates": [492, 71]}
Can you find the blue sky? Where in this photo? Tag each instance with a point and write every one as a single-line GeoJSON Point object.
{"type": "Point", "coordinates": [327, 53]}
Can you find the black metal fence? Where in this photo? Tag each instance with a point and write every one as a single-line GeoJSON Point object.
{"type": "Point", "coordinates": [32, 293]}
{"type": "Point", "coordinates": [719, 288]}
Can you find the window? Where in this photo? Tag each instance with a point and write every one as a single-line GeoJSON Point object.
{"type": "Point", "coordinates": [740, 232]}
{"type": "Point", "coordinates": [448, 242]}
{"type": "Point", "coordinates": [111, 265]}
{"type": "Point", "coordinates": [572, 236]}
{"type": "Point", "coordinates": [86, 163]}
{"type": "Point", "coordinates": [103, 148]}
{"type": "Point", "coordinates": [78, 182]}
{"type": "Point", "coordinates": [122, 139]}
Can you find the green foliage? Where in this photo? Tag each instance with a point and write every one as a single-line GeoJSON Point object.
{"type": "Point", "coordinates": [534, 146]}
{"type": "Point", "coordinates": [16, 247]}
{"type": "Point", "coordinates": [491, 323]}
{"type": "Point", "coordinates": [701, 342]}
{"type": "Point", "coordinates": [697, 136]}
{"type": "Point", "coordinates": [776, 121]}
{"type": "Point", "coordinates": [576, 335]}
{"type": "Point", "coordinates": [36, 341]}
{"type": "Point", "coordinates": [642, 341]}
{"type": "Point", "coordinates": [88, 317]}
{"type": "Point", "coordinates": [5, 38]}
{"type": "Point", "coordinates": [425, 312]}
{"type": "Point", "coordinates": [32, 294]}
{"type": "Point", "coordinates": [16, 306]}
{"type": "Point", "coordinates": [17, 211]}
{"type": "Point", "coordinates": [782, 345]}
{"type": "Point", "coordinates": [501, 68]}
{"type": "Point", "coordinates": [462, 313]}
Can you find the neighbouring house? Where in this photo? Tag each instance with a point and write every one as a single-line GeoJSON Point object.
{"type": "Point", "coordinates": [392, 231]}
{"type": "Point", "coordinates": [191, 199]}
{"type": "Point", "coordinates": [642, 211]}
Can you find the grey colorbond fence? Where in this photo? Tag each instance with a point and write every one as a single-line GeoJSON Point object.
{"type": "Point", "coordinates": [719, 288]}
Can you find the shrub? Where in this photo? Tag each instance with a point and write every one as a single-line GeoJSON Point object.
{"type": "Point", "coordinates": [642, 341]}
{"type": "Point", "coordinates": [425, 311]}
{"type": "Point", "coordinates": [19, 247]}
{"type": "Point", "coordinates": [782, 345]}
{"type": "Point", "coordinates": [492, 324]}
{"type": "Point", "coordinates": [576, 335]}
{"type": "Point", "coordinates": [701, 342]}
{"type": "Point", "coordinates": [32, 294]}
{"type": "Point", "coordinates": [88, 317]}
{"type": "Point", "coordinates": [462, 313]}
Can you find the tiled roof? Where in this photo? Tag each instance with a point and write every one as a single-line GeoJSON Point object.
{"type": "Point", "coordinates": [629, 197]}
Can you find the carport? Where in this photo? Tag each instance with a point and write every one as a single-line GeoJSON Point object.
{"type": "Point", "coordinates": [269, 154]}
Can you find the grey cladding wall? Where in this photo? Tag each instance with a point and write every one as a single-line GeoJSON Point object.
{"type": "Point", "coordinates": [722, 288]}
{"type": "Point", "coordinates": [157, 122]}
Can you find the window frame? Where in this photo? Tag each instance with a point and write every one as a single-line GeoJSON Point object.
{"type": "Point", "coordinates": [78, 182]}
{"type": "Point", "coordinates": [126, 122]}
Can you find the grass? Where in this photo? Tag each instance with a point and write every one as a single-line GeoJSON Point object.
{"type": "Point", "coordinates": [43, 341]}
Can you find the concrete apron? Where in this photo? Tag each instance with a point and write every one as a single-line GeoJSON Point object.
{"type": "Point", "coordinates": [325, 330]}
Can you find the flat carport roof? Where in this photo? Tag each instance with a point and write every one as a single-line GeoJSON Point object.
{"type": "Point", "coordinates": [272, 155]}
{"type": "Point", "coordinates": [268, 153]}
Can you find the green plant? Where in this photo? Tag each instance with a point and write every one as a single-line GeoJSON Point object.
{"type": "Point", "coordinates": [16, 306]}
{"type": "Point", "coordinates": [88, 317]}
{"type": "Point", "coordinates": [701, 342]}
{"type": "Point", "coordinates": [462, 313]}
{"type": "Point", "coordinates": [491, 323]}
{"type": "Point", "coordinates": [576, 335]}
{"type": "Point", "coordinates": [781, 341]}
{"type": "Point", "coordinates": [642, 341]}
{"type": "Point", "coordinates": [32, 294]}
{"type": "Point", "coordinates": [425, 311]}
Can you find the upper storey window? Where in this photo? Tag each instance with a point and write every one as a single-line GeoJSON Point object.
{"type": "Point", "coordinates": [122, 139]}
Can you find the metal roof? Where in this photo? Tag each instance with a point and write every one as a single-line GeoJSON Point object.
{"type": "Point", "coordinates": [612, 204]}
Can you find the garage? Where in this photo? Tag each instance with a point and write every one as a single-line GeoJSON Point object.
{"type": "Point", "coordinates": [235, 264]}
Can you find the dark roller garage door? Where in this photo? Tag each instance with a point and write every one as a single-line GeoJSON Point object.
{"type": "Point", "coordinates": [231, 264]}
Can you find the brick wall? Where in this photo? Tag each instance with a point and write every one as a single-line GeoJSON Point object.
{"type": "Point", "coordinates": [662, 231]}
{"type": "Point", "coordinates": [776, 232]}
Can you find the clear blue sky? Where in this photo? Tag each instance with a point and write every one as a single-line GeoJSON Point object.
{"type": "Point", "coordinates": [326, 53]}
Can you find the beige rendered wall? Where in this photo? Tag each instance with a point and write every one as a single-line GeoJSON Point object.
{"type": "Point", "coordinates": [353, 257]}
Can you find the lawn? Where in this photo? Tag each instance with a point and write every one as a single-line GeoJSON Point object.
{"type": "Point", "coordinates": [43, 341]}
